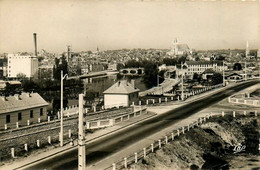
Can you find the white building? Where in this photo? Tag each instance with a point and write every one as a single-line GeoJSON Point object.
{"type": "Point", "coordinates": [24, 64]}
{"type": "Point", "coordinates": [122, 93]}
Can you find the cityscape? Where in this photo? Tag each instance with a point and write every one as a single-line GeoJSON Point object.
{"type": "Point", "coordinates": [129, 85]}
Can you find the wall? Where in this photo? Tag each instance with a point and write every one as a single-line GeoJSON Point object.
{"type": "Point", "coordinates": [21, 64]}
{"type": "Point", "coordinates": [25, 117]}
{"type": "Point", "coordinates": [115, 100]}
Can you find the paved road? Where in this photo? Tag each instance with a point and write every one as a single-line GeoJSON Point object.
{"type": "Point", "coordinates": [108, 145]}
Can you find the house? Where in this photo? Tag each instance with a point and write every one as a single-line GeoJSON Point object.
{"type": "Point", "coordinates": [20, 108]}
{"type": "Point", "coordinates": [122, 93]}
{"type": "Point", "coordinates": [234, 77]}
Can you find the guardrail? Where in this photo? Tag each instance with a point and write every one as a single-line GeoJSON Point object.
{"type": "Point", "coordinates": [245, 101]}
{"type": "Point", "coordinates": [141, 154]}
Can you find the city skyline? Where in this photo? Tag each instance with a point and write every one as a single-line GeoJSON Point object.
{"type": "Point", "coordinates": [109, 25]}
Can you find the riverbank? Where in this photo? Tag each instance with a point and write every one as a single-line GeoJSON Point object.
{"type": "Point", "coordinates": [212, 145]}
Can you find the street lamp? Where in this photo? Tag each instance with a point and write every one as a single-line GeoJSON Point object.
{"type": "Point", "coordinates": [61, 107]}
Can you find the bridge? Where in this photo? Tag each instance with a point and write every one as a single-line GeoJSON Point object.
{"type": "Point", "coordinates": [164, 87]}
{"type": "Point", "coordinates": [132, 71]}
{"type": "Point", "coordinates": [94, 74]}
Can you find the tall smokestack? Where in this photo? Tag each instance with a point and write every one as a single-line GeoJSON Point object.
{"type": "Point", "coordinates": [35, 43]}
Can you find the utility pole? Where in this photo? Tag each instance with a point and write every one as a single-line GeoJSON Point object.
{"type": "Point", "coordinates": [81, 138]}
{"type": "Point", "coordinates": [61, 106]}
{"type": "Point", "coordinates": [182, 96]}
{"type": "Point", "coordinates": [223, 74]}
{"type": "Point", "coordinates": [245, 72]}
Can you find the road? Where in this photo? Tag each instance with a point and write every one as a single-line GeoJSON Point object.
{"type": "Point", "coordinates": [97, 150]}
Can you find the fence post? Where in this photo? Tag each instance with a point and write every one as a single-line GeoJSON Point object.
{"type": "Point", "coordinates": [188, 127]}
{"type": "Point", "coordinates": [152, 147]}
{"type": "Point", "coordinates": [172, 136]}
{"type": "Point", "coordinates": [140, 102]}
{"type": "Point", "coordinates": [204, 119]}
{"type": "Point", "coordinates": [49, 118]}
{"type": "Point", "coordinates": [125, 162]}
{"type": "Point", "coordinates": [17, 124]}
{"type": "Point", "coordinates": [255, 113]}
{"type": "Point", "coordinates": [223, 113]}
{"type": "Point", "coordinates": [160, 100]}
{"type": "Point", "coordinates": [244, 113]}
{"type": "Point", "coordinates": [39, 120]}
{"type": "Point", "coordinates": [12, 152]}
{"type": "Point", "coordinates": [178, 132]}
{"type": "Point", "coordinates": [166, 99]}
{"type": "Point", "coordinates": [38, 143]}
{"type": "Point", "coordinates": [183, 130]}
{"type": "Point", "coordinates": [171, 98]}
{"type": "Point", "coordinates": [147, 102]}
{"type": "Point", "coordinates": [26, 147]}
{"type": "Point", "coordinates": [144, 152]}
{"type": "Point", "coordinates": [136, 159]}
{"type": "Point", "coordinates": [49, 139]}
{"type": "Point", "coordinates": [94, 108]}
{"type": "Point", "coordinates": [234, 114]}
{"type": "Point", "coordinates": [160, 145]}
{"type": "Point", "coordinates": [166, 139]}
{"type": "Point", "coordinates": [114, 166]}
{"type": "Point", "coordinates": [5, 126]}
{"type": "Point", "coordinates": [69, 133]}
{"type": "Point", "coordinates": [153, 101]}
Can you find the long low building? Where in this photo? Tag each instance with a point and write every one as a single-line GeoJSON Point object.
{"type": "Point", "coordinates": [20, 108]}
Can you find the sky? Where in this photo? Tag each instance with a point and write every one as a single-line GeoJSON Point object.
{"type": "Point", "coordinates": [109, 25]}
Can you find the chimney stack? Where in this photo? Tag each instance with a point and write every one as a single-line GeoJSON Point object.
{"type": "Point", "coordinates": [35, 43]}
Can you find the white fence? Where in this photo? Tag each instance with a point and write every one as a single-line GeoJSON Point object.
{"type": "Point", "coordinates": [245, 101]}
{"type": "Point", "coordinates": [130, 159]}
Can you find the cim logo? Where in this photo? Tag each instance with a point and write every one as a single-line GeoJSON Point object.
{"type": "Point", "coordinates": [239, 148]}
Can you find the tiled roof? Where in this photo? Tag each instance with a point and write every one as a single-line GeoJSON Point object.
{"type": "Point", "coordinates": [121, 87]}
{"type": "Point", "coordinates": [12, 103]}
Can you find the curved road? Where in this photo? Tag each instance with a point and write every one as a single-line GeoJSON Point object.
{"type": "Point", "coordinates": [97, 150]}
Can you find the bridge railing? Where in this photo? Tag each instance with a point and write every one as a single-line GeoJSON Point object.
{"type": "Point", "coordinates": [141, 154]}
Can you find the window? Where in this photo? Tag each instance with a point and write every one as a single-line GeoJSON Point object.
{"type": "Point", "coordinates": [8, 119]}
{"type": "Point", "coordinates": [41, 111]}
{"type": "Point", "coordinates": [31, 114]}
{"type": "Point", "coordinates": [19, 116]}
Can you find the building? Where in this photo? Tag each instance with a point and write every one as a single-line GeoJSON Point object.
{"type": "Point", "coordinates": [24, 64]}
{"type": "Point", "coordinates": [200, 67]}
{"type": "Point", "coordinates": [234, 77]}
{"type": "Point", "coordinates": [20, 108]}
{"type": "Point", "coordinates": [179, 49]}
{"type": "Point", "coordinates": [122, 93]}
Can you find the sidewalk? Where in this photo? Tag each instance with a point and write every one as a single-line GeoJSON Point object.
{"type": "Point", "coordinates": [48, 153]}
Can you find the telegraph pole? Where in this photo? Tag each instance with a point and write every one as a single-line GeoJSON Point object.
{"type": "Point", "coordinates": [81, 138]}
{"type": "Point", "coordinates": [223, 74]}
{"type": "Point", "coordinates": [182, 82]}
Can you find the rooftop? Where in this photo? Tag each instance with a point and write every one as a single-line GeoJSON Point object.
{"type": "Point", "coordinates": [21, 102]}
{"type": "Point", "coordinates": [121, 87]}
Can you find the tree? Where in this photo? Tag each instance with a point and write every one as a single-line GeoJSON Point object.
{"type": "Point", "coordinates": [237, 67]}
{"type": "Point", "coordinates": [216, 78]}
{"type": "Point", "coordinates": [21, 76]}
{"type": "Point", "coordinates": [150, 74]}
{"type": "Point", "coordinates": [58, 67]}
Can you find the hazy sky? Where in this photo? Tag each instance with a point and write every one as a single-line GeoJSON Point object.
{"type": "Point", "coordinates": [126, 24]}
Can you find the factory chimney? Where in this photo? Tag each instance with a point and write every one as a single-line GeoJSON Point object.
{"type": "Point", "coordinates": [35, 43]}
